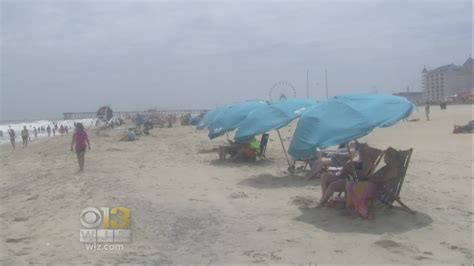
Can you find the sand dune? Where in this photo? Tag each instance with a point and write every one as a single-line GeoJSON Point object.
{"type": "Point", "coordinates": [187, 207]}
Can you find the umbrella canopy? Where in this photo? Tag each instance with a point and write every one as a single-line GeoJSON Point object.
{"type": "Point", "coordinates": [228, 119]}
{"type": "Point", "coordinates": [271, 116]}
{"type": "Point", "coordinates": [209, 117]}
{"type": "Point", "coordinates": [345, 118]}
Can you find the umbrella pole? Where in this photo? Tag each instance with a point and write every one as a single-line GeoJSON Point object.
{"type": "Point", "coordinates": [283, 146]}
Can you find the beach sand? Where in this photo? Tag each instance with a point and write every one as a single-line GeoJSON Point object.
{"type": "Point", "coordinates": [187, 207]}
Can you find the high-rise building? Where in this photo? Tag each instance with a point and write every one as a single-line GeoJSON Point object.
{"type": "Point", "coordinates": [446, 81]}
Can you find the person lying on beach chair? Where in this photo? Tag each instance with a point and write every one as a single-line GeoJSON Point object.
{"type": "Point", "coordinates": [469, 128]}
{"type": "Point", "coordinates": [361, 166]}
{"type": "Point", "coordinates": [337, 160]}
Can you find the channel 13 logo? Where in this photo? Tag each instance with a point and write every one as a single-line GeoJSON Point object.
{"type": "Point", "coordinates": [105, 224]}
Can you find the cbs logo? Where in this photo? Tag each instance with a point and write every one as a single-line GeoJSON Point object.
{"type": "Point", "coordinates": [106, 218]}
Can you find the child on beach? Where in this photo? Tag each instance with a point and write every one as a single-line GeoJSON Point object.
{"type": "Point", "coordinates": [80, 139]}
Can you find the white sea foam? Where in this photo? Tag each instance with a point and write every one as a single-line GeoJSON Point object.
{"type": "Point", "coordinates": [18, 127]}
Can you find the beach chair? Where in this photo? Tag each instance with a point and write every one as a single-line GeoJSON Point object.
{"type": "Point", "coordinates": [390, 192]}
{"type": "Point", "coordinates": [376, 156]}
{"type": "Point", "coordinates": [263, 145]}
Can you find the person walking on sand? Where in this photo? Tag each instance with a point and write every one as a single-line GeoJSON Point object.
{"type": "Point", "coordinates": [427, 110]}
{"type": "Point", "coordinates": [25, 137]}
{"type": "Point", "coordinates": [11, 132]}
{"type": "Point", "coordinates": [80, 139]}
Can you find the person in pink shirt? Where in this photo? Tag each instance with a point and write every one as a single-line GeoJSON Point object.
{"type": "Point", "coordinates": [80, 139]}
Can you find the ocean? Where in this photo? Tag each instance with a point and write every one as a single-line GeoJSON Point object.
{"type": "Point", "coordinates": [18, 127]}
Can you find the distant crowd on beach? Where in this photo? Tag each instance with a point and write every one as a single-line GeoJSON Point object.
{"type": "Point", "coordinates": [26, 134]}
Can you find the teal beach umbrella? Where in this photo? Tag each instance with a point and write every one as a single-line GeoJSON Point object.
{"type": "Point", "coordinates": [345, 118]}
{"type": "Point", "coordinates": [228, 119]}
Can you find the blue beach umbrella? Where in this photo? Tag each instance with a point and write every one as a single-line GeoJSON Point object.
{"type": "Point", "coordinates": [383, 110]}
{"type": "Point", "coordinates": [272, 116]}
{"type": "Point", "coordinates": [209, 117]}
{"type": "Point", "coordinates": [228, 119]}
{"type": "Point", "coordinates": [345, 118]}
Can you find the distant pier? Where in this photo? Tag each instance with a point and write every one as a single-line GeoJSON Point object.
{"type": "Point", "coordinates": [85, 115]}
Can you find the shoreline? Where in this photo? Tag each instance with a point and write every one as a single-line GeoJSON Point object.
{"type": "Point", "coordinates": [185, 201]}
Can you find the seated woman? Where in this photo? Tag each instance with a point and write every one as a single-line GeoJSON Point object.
{"type": "Point", "coordinates": [360, 195]}
{"type": "Point", "coordinates": [337, 159]}
{"type": "Point", "coordinates": [360, 166]}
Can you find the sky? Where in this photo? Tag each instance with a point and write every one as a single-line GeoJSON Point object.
{"type": "Point", "coordinates": [63, 56]}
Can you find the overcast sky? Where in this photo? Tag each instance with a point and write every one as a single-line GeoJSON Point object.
{"type": "Point", "coordinates": [59, 56]}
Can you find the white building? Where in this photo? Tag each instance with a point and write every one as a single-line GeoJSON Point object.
{"type": "Point", "coordinates": [448, 80]}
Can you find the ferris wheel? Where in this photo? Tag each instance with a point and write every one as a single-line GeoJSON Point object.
{"type": "Point", "coordinates": [282, 90]}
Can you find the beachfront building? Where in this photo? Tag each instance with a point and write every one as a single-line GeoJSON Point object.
{"type": "Point", "coordinates": [447, 81]}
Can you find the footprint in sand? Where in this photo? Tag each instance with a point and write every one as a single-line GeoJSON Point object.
{"type": "Point", "coordinates": [238, 195]}
{"type": "Point", "coordinates": [465, 251]}
{"type": "Point", "coordinates": [20, 219]}
{"type": "Point", "coordinates": [33, 197]}
{"type": "Point", "coordinates": [261, 257]}
{"type": "Point", "coordinates": [387, 244]}
{"type": "Point", "coordinates": [17, 240]}
{"type": "Point", "coordinates": [20, 253]}
{"type": "Point", "coordinates": [402, 249]}
{"type": "Point", "coordinates": [307, 202]}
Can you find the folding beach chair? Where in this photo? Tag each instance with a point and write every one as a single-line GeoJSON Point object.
{"type": "Point", "coordinates": [390, 191]}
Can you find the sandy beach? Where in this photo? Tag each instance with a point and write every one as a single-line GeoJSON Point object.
{"type": "Point", "coordinates": [188, 207]}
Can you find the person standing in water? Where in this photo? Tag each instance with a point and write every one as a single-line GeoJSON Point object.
{"type": "Point", "coordinates": [35, 131]}
{"type": "Point", "coordinates": [48, 129]}
{"type": "Point", "coordinates": [11, 132]}
{"type": "Point", "coordinates": [80, 139]}
{"type": "Point", "coordinates": [25, 137]}
{"type": "Point", "coordinates": [427, 110]}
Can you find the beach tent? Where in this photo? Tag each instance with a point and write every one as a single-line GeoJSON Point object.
{"type": "Point", "coordinates": [272, 116]}
{"type": "Point", "coordinates": [344, 118]}
{"type": "Point", "coordinates": [227, 119]}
